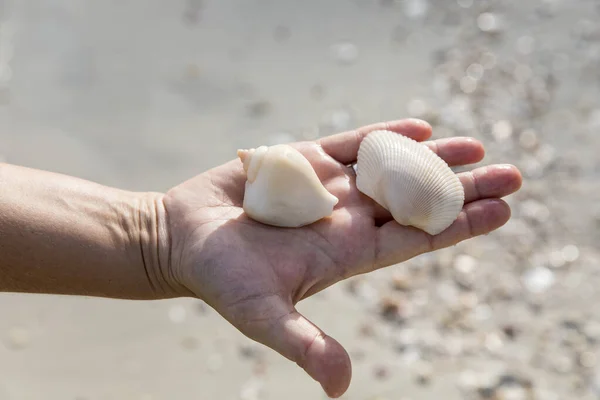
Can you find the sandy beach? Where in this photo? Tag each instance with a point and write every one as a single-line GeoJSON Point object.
{"type": "Point", "coordinates": [142, 95]}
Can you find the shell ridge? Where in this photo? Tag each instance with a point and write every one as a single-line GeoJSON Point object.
{"type": "Point", "coordinates": [410, 180]}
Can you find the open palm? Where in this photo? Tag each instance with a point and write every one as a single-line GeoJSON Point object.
{"type": "Point", "coordinates": [254, 274]}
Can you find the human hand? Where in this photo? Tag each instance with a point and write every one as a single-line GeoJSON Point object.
{"type": "Point", "coordinates": [254, 275]}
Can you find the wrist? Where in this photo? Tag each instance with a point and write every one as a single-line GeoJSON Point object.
{"type": "Point", "coordinates": [151, 240]}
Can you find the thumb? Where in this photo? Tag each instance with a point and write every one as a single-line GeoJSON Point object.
{"type": "Point", "coordinates": [322, 357]}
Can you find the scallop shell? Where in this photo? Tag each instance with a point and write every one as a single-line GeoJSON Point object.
{"type": "Point", "coordinates": [410, 181]}
{"type": "Point", "coordinates": [282, 188]}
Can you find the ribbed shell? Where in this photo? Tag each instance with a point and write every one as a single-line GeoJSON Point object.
{"type": "Point", "coordinates": [409, 180]}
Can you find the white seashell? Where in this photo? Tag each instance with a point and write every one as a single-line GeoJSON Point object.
{"type": "Point", "coordinates": [282, 188]}
{"type": "Point", "coordinates": [409, 180]}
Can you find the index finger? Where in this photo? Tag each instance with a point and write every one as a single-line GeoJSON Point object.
{"type": "Point", "coordinates": [344, 146]}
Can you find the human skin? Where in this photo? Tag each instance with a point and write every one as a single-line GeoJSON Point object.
{"type": "Point", "coordinates": [64, 235]}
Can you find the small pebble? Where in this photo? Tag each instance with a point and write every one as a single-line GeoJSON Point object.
{"type": "Point", "coordinates": [538, 279]}
{"type": "Point", "coordinates": [411, 355]}
{"type": "Point", "coordinates": [592, 330]}
{"type": "Point", "coordinates": [588, 359]}
{"type": "Point", "coordinates": [258, 109]}
{"type": "Point", "coordinates": [214, 362]}
{"type": "Point", "coordinates": [201, 308]}
{"type": "Point", "coordinates": [401, 281]}
{"type": "Point", "coordinates": [390, 308]}
{"type": "Point", "coordinates": [259, 368]}
{"type": "Point", "coordinates": [570, 253]}
{"type": "Point", "coordinates": [465, 264]}
{"type": "Point", "coordinates": [561, 363]}
{"type": "Point", "coordinates": [468, 380]}
{"type": "Point", "coordinates": [528, 139]}
{"type": "Point", "coordinates": [502, 130]}
{"type": "Point", "coordinates": [493, 342]}
{"type": "Point", "coordinates": [381, 372]}
{"type": "Point", "coordinates": [423, 372]}
{"type": "Point", "coordinates": [249, 351]}
{"type": "Point", "coordinates": [488, 22]}
{"type": "Point", "coordinates": [18, 338]}
{"type": "Point", "coordinates": [358, 354]}
{"type": "Point", "coordinates": [465, 282]}
{"type": "Point", "coordinates": [252, 389]}
{"type": "Point", "coordinates": [189, 343]}
{"type": "Point", "coordinates": [546, 154]}
{"type": "Point", "coordinates": [177, 314]}
{"type": "Point", "coordinates": [487, 393]}
{"type": "Point", "coordinates": [366, 330]}
{"type": "Point", "coordinates": [475, 71]}
{"type": "Point", "coordinates": [345, 52]}
{"type": "Point", "coordinates": [468, 84]}
{"type": "Point", "coordinates": [396, 308]}
{"type": "Point", "coordinates": [510, 331]}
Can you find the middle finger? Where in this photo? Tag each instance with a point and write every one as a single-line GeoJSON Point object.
{"type": "Point", "coordinates": [493, 181]}
{"type": "Point", "coordinates": [457, 150]}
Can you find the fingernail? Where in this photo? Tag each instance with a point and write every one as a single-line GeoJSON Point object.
{"type": "Point", "coordinates": [421, 122]}
{"type": "Point", "coordinates": [505, 167]}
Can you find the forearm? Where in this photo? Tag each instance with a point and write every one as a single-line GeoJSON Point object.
{"type": "Point", "coordinates": [63, 235]}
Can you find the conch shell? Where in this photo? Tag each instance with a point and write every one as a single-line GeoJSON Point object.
{"type": "Point", "coordinates": [409, 180]}
{"type": "Point", "coordinates": [282, 188]}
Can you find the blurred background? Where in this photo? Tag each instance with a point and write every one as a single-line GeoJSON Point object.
{"type": "Point", "coordinates": [143, 94]}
